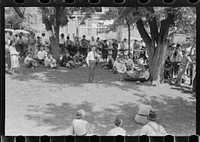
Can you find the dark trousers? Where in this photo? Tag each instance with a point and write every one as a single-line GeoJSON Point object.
{"type": "Point", "coordinates": [62, 47]}
{"type": "Point", "coordinates": [91, 73]}
{"type": "Point", "coordinates": [135, 79]}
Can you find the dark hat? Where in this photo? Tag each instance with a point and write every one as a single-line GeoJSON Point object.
{"type": "Point", "coordinates": [152, 116]}
{"type": "Point", "coordinates": [84, 36]}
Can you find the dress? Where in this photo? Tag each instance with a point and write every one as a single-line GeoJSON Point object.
{"type": "Point", "coordinates": [14, 58]}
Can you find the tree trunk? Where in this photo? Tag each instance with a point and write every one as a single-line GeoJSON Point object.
{"type": "Point", "coordinates": [55, 44]}
{"type": "Point", "coordinates": [156, 63]}
{"type": "Point", "coordinates": [54, 40]}
{"type": "Point", "coordinates": [129, 40]}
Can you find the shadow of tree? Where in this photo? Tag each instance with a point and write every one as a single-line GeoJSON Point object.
{"type": "Point", "coordinates": [74, 77]}
{"type": "Point", "coordinates": [176, 115]}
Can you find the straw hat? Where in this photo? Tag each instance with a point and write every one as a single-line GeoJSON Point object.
{"type": "Point", "coordinates": [80, 114]}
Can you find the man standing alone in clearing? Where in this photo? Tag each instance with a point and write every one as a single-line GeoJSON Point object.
{"type": "Point", "coordinates": [91, 62]}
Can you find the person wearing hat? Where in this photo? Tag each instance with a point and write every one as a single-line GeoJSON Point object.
{"type": "Point", "coordinates": [143, 111]}
{"type": "Point", "coordinates": [91, 62]}
{"type": "Point", "coordinates": [183, 66]}
{"type": "Point", "coordinates": [152, 128]}
{"type": "Point", "coordinates": [79, 127]}
{"type": "Point", "coordinates": [117, 130]}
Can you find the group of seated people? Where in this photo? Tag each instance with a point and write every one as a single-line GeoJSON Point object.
{"type": "Point", "coordinates": [72, 61]}
{"type": "Point", "coordinates": [146, 117]}
{"type": "Point", "coordinates": [44, 58]}
{"type": "Point", "coordinates": [127, 70]}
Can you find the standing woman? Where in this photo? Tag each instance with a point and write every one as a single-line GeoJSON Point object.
{"type": "Point", "coordinates": [7, 53]}
{"type": "Point", "coordinates": [31, 45]}
{"type": "Point", "coordinates": [14, 56]}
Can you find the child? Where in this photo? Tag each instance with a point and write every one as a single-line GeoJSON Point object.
{"type": "Point", "coordinates": [41, 55]}
{"type": "Point", "coordinates": [80, 127]}
{"type": "Point", "coordinates": [77, 59]}
{"type": "Point", "coordinates": [109, 64]}
{"type": "Point", "coordinates": [117, 130]}
{"type": "Point", "coordinates": [14, 56]}
{"type": "Point", "coordinates": [67, 61]}
{"type": "Point", "coordinates": [49, 61]}
{"type": "Point", "coordinates": [143, 111]}
{"type": "Point", "coordinates": [30, 62]}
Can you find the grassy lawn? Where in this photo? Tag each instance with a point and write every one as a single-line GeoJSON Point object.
{"type": "Point", "coordinates": [46, 100]}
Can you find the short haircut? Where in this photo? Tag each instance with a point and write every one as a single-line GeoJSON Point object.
{"type": "Point", "coordinates": [118, 121]}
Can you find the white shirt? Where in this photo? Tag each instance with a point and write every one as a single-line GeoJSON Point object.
{"type": "Point", "coordinates": [145, 75]}
{"type": "Point", "coordinates": [41, 54]}
{"type": "Point", "coordinates": [117, 131]}
{"type": "Point", "coordinates": [79, 127]}
{"type": "Point", "coordinates": [90, 56]}
{"type": "Point", "coordinates": [121, 67]}
{"type": "Point", "coordinates": [62, 41]}
{"type": "Point", "coordinates": [27, 60]}
{"type": "Point", "coordinates": [179, 57]}
{"type": "Point", "coordinates": [92, 42]}
{"type": "Point", "coordinates": [147, 130]}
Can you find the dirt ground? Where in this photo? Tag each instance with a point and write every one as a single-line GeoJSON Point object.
{"type": "Point", "coordinates": [44, 102]}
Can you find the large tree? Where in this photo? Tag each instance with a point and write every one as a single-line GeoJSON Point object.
{"type": "Point", "coordinates": [154, 25]}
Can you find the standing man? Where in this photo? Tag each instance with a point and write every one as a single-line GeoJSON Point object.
{"type": "Point", "coordinates": [91, 62]}
{"type": "Point", "coordinates": [183, 66]}
{"type": "Point", "coordinates": [62, 43]}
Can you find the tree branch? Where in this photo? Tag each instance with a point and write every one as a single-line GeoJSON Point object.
{"type": "Point", "coordinates": [143, 32]}
{"type": "Point", "coordinates": [165, 25]}
{"type": "Point", "coordinates": [153, 26]}
{"type": "Point", "coordinates": [19, 12]}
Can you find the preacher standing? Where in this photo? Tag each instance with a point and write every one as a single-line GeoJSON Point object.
{"type": "Point", "coordinates": [91, 62]}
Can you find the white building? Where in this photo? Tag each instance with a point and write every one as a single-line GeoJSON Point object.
{"type": "Point", "coordinates": [92, 27]}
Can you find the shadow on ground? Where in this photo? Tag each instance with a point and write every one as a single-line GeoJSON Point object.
{"type": "Point", "coordinates": [176, 115]}
{"type": "Point", "coordinates": [74, 77]}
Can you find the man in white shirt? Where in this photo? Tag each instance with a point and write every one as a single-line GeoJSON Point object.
{"type": "Point", "coordinates": [41, 55]}
{"type": "Point", "coordinates": [62, 43]}
{"type": "Point", "coordinates": [117, 130]}
{"type": "Point", "coordinates": [152, 128]}
{"type": "Point", "coordinates": [91, 62]}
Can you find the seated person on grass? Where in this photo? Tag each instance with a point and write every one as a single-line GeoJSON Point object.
{"type": "Point", "coordinates": [143, 111]}
{"type": "Point", "coordinates": [143, 77]}
{"type": "Point", "coordinates": [49, 61]}
{"type": "Point", "coordinates": [109, 64]}
{"type": "Point", "coordinates": [30, 62]}
{"type": "Point", "coordinates": [67, 61]}
{"type": "Point", "coordinates": [129, 63]}
{"type": "Point", "coordinates": [120, 67]}
{"type": "Point", "coordinates": [78, 59]}
{"type": "Point", "coordinates": [41, 55]}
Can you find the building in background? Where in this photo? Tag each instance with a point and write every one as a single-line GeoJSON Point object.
{"type": "Point", "coordinates": [93, 26]}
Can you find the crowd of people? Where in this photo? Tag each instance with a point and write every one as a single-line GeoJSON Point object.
{"type": "Point", "coordinates": [180, 64]}
{"type": "Point", "coordinates": [146, 117]}
{"type": "Point", "coordinates": [131, 65]}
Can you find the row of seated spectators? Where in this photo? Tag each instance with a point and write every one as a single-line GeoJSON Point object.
{"type": "Point", "coordinates": [127, 69]}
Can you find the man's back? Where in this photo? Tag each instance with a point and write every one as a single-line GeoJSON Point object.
{"type": "Point", "coordinates": [153, 129]}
